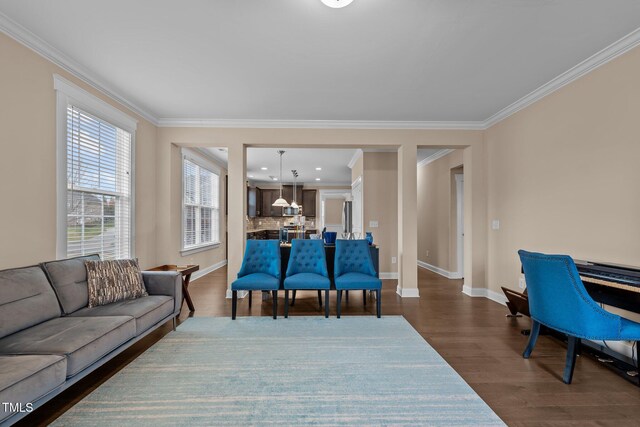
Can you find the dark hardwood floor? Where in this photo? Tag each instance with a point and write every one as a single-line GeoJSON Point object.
{"type": "Point", "coordinates": [472, 334]}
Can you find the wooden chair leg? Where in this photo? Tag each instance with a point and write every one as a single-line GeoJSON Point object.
{"type": "Point", "coordinates": [320, 298]}
{"type": "Point", "coordinates": [378, 302]}
{"type": "Point", "coordinates": [347, 295]}
{"type": "Point", "coordinates": [573, 347]}
{"type": "Point", "coordinates": [339, 306]}
{"type": "Point", "coordinates": [533, 337]}
{"type": "Point", "coordinates": [293, 299]}
{"type": "Point", "coordinates": [286, 303]}
{"type": "Point", "coordinates": [326, 304]}
{"type": "Point", "coordinates": [275, 304]}
{"type": "Point", "coordinates": [250, 299]}
{"type": "Point", "coordinates": [364, 297]}
{"type": "Point", "coordinates": [234, 304]}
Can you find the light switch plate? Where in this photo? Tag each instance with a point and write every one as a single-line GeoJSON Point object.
{"type": "Point", "coordinates": [393, 260]}
{"type": "Point", "coordinates": [522, 284]}
{"type": "Point", "coordinates": [373, 224]}
{"type": "Point", "coordinates": [495, 224]}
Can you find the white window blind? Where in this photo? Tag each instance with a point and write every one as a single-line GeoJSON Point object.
{"type": "Point", "coordinates": [201, 210]}
{"type": "Point", "coordinates": [98, 187]}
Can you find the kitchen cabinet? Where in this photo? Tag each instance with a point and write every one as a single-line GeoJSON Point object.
{"type": "Point", "coordinates": [287, 193]}
{"type": "Point", "coordinates": [309, 203]}
{"type": "Point", "coordinates": [254, 202]}
{"type": "Point", "coordinates": [268, 197]}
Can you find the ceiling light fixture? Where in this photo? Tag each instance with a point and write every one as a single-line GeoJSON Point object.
{"type": "Point", "coordinates": [294, 205]}
{"type": "Point", "coordinates": [280, 202]}
{"type": "Point", "coordinates": [336, 4]}
{"type": "Point", "coordinates": [318, 169]}
{"type": "Point", "coordinates": [317, 179]}
{"type": "Point", "coordinates": [264, 168]}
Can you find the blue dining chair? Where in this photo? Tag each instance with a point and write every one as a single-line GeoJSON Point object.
{"type": "Point", "coordinates": [260, 271]}
{"type": "Point", "coordinates": [307, 270]}
{"type": "Point", "coordinates": [559, 300]}
{"type": "Point", "coordinates": [353, 270]}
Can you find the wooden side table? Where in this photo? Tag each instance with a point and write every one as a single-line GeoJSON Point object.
{"type": "Point", "coordinates": [186, 271]}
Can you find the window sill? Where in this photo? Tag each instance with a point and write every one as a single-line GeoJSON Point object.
{"type": "Point", "coordinates": [201, 248]}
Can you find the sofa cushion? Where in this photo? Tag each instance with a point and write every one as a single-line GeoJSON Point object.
{"type": "Point", "coordinates": [84, 340]}
{"type": "Point", "coordinates": [146, 310]}
{"type": "Point", "coordinates": [26, 299]}
{"type": "Point", "coordinates": [113, 281]}
{"type": "Point", "coordinates": [25, 379]}
{"type": "Point", "coordinates": [69, 280]}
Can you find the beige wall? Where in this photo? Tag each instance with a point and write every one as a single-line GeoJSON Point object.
{"type": "Point", "coordinates": [357, 169]}
{"type": "Point", "coordinates": [333, 211]}
{"type": "Point", "coordinates": [437, 211]}
{"type": "Point", "coordinates": [563, 173]}
{"type": "Point", "coordinates": [28, 161]}
{"type": "Point", "coordinates": [380, 200]}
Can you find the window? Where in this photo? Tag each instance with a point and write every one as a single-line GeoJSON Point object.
{"type": "Point", "coordinates": [95, 176]}
{"type": "Point", "coordinates": [201, 206]}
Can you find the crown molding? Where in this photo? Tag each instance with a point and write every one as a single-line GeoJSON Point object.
{"type": "Point", "coordinates": [44, 49]}
{"type": "Point", "coordinates": [435, 156]}
{"type": "Point", "coordinates": [607, 54]}
{"type": "Point", "coordinates": [318, 124]}
{"type": "Point", "coordinates": [355, 158]}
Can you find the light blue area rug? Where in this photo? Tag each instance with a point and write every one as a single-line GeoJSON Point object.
{"type": "Point", "coordinates": [289, 372]}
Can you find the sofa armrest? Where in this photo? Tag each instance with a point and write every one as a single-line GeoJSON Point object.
{"type": "Point", "coordinates": [164, 283]}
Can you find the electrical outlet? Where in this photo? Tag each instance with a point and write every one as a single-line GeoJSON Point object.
{"type": "Point", "coordinates": [522, 284]}
{"type": "Point", "coordinates": [393, 260]}
{"type": "Point", "coordinates": [495, 224]}
{"type": "Point", "coordinates": [427, 253]}
{"type": "Point", "coordinates": [373, 224]}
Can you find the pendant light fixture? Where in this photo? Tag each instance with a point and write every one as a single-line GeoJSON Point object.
{"type": "Point", "coordinates": [336, 4]}
{"type": "Point", "coordinates": [295, 176]}
{"type": "Point", "coordinates": [281, 202]}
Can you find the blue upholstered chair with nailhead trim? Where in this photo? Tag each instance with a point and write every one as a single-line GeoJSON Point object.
{"type": "Point", "coordinates": [559, 300]}
{"type": "Point", "coordinates": [307, 270]}
{"type": "Point", "coordinates": [260, 271]}
{"type": "Point", "coordinates": [353, 269]}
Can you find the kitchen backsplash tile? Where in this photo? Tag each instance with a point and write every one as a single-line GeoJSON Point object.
{"type": "Point", "coordinates": [274, 223]}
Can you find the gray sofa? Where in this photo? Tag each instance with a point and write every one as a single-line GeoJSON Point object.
{"type": "Point", "coordinates": [49, 340]}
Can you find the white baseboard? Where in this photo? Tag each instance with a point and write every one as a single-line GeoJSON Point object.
{"type": "Point", "coordinates": [440, 271]}
{"type": "Point", "coordinates": [484, 293]}
{"type": "Point", "coordinates": [389, 275]}
{"type": "Point", "coordinates": [408, 293]}
{"type": "Point", "coordinates": [198, 274]}
{"type": "Point", "coordinates": [241, 294]}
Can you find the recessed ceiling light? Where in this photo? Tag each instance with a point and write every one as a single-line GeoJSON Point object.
{"type": "Point", "coordinates": [275, 179]}
{"type": "Point", "coordinates": [318, 169]}
{"type": "Point", "coordinates": [264, 168]}
{"type": "Point", "coordinates": [317, 179]}
{"type": "Point", "coordinates": [250, 176]}
{"type": "Point", "coordinates": [336, 4]}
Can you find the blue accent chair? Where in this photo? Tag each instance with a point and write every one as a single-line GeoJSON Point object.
{"type": "Point", "coordinates": [307, 270]}
{"type": "Point", "coordinates": [260, 271]}
{"type": "Point", "coordinates": [353, 269]}
{"type": "Point", "coordinates": [559, 300]}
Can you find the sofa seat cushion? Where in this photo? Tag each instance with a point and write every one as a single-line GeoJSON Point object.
{"type": "Point", "coordinates": [25, 379]}
{"type": "Point", "coordinates": [147, 311]}
{"type": "Point", "coordinates": [357, 281]}
{"type": "Point", "coordinates": [84, 340]}
{"type": "Point", "coordinates": [256, 282]}
{"type": "Point", "coordinates": [307, 281]}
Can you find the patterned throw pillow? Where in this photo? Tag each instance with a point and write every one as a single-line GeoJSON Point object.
{"type": "Point", "coordinates": [112, 281]}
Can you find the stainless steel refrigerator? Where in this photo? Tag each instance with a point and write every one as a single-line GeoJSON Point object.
{"type": "Point", "coordinates": [347, 218]}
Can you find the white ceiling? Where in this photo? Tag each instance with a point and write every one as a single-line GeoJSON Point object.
{"type": "Point", "coordinates": [404, 60]}
{"type": "Point", "coordinates": [332, 162]}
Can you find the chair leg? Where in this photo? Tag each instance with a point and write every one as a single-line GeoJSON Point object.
{"type": "Point", "coordinates": [175, 321]}
{"type": "Point", "coordinates": [378, 302]}
{"type": "Point", "coordinates": [320, 298]}
{"type": "Point", "coordinates": [339, 300]}
{"type": "Point", "coordinates": [533, 337]}
{"type": "Point", "coordinates": [234, 304]}
{"type": "Point", "coordinates": [250, 299]}
{"type": "Point", "coordinates": [364, 297]}
{"type": "Point", "coordinates": [573, 347]}
{"type": "Point", "coordinates": [347, 295]}
{"type": "Point", "coordinates": [326, 304]}
{"type": "Point", "coordinates": [275, 304]}
{"type": "Point", "coordinates": [286, 303]}
{"type": "Point", "coordinates": [293, 299]}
